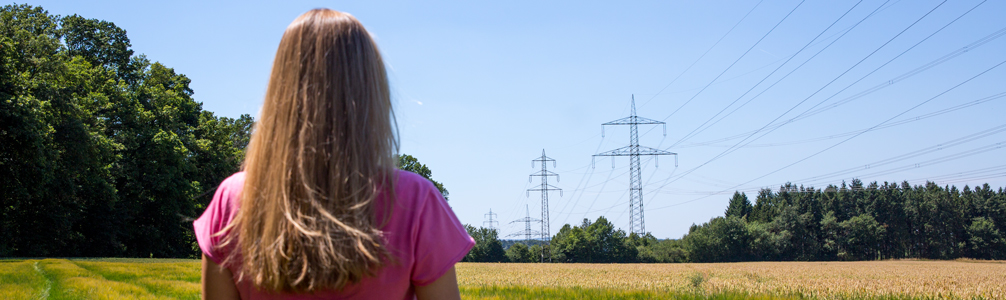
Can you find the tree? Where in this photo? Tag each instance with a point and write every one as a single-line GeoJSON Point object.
{"type": "Point", "coordinates": [518, 252]}
{"type": "Point", "coordinates": [593, 242]}
{"type": "Point", "coordinates": [102, 153]}
{"type": "Point", "coordinates": [765, 207]}
{"type": "Point", "coordinates": [99, 42]}
{"type": "Point", "coordinates": [535, 251]}
{"type": "Point", "coordinates": [722, 239]}
{"type": "Point", "coordinates": [409, 163]}
{"type": "Point", "coordinates": [739, 206]}
{"type": "Point", "coordinates": [488, 247]}
{"type": "Point", "coordinates": [28, 160]}
{"type": "Point", "coordinates": [861, 238]}
{"type": "Point", "coordinates": [985, 240]}
{"type": "Point", "coordinates": [651, 250]}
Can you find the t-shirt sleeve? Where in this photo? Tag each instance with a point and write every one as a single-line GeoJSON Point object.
{"type": "Point", "coordinates": [217, 216]}
{"type": "Point", "coordinates": [441, 240]}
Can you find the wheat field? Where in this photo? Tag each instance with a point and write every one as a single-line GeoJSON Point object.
{"type": "Point", "coordinates": [904, 279]}
{"type": "Point", "coordinates": [960, 279]}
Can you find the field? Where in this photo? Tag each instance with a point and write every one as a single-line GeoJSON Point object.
{"type": "Point", "coordinates": [179, 279]}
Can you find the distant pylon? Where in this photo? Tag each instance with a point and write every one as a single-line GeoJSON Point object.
{"type": "Point", "coordinates": [491, 221]}
{"type": "Point", "coordinates": [527, 232]}
{"type": "Point", "coordinates": [633, 151]}
{"type": "Point", "coordinates": [544, 188]}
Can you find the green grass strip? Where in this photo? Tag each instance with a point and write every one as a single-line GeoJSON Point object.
{"type": "Point", "coordinates": [71, 281]}
{"type": "Point", "coordinates": [22, 279]}
{"type": "Point", "coordinates": [177, 279]}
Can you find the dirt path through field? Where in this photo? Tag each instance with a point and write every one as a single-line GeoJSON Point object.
{"type": "Point", "coordinates": [48, 283]}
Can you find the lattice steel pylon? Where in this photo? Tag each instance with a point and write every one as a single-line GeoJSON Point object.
{"type": "Point", "coordinates": [491, 221]}
{"type": "Point", "coordinates": [527, 232]}
{"type": "Point", "coordinates": [546, 236]}
{"type": "Point", "coordinates": [636, 222]}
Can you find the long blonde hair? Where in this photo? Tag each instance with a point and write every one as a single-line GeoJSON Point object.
{"type": "Point", "coordinates": [320, 154]}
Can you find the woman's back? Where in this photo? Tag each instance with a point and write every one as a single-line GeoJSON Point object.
{"type": "Point", "coordinates": [320, 208]}
{"type": "Point", "coordinates": [423, 236]}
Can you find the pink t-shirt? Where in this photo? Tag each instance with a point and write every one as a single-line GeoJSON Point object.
{"type": "Point", "coordinates": [423, 234]}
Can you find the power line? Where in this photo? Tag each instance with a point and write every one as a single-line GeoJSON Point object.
{"type": "Point", "coordinates": [917, 153]}
{"type": "Point", "coordinates": [527, 220]}
{"type": "Point", "coordinates": [704, 53]}
{"type": "Point", "coordinates": [577, 201]}
{"type": "Point", "coordinates": [902, 122]}
{"type": "Point", "coordinates": [779, 67]}
{"type": "Point", "coordinates": [731, 149]}
{"type": "Point", "coordinates": [517, 202]}
{"type": "Point", "coordinates": [898, 158]}
{"type": "Point", "coordinates": [882, 85]}
{"type": "Point", "coordinates": [637, 222]}
{"type": "Point", "coordinates": [881, 123]}
{"type": "Point", "coordinates": [877, 68]}
{"type": "Point", "coordinates": [854, 136]}
{"type": "Point", "coordinates": [843, 33]}
{"type": "Point", "coordinates": [544, 188]}
{"type": "Point", "coordinates": [735, 61]}
{"type": "Point", "coordinates": [491, 221]}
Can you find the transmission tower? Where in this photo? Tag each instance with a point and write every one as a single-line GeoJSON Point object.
{"type": "Point", "coordinates": [491, 221]}
{"type": "Point", "coordinates": [544, 188]}
{"type": "Point", "coordinates": [527, 232]}
{"type": "Point", "coordinates": [633, 151]}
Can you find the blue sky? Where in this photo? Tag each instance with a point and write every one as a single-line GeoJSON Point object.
{"type": "Point", "coordinates": [481, 88]}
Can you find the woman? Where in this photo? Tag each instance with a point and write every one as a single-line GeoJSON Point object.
{"type": "Point", "coordinates": [320, 211]}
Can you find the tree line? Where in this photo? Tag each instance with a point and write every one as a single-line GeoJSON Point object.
{"type": "Point", "coordinates": [857, 222]}
{"type": "Point", "coordinates": [102, 152]}
{"type": "Point", "coordinates": [795, 223]}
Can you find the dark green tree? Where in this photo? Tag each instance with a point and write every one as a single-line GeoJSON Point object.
{"type": "Point", "coordinates": [861, 237]}
{"type": "Point", "coordinates": [722, 239]}
{"type": "Point", "coordinates": [536, 253]}
{"type": "Point", "coordinates": [409, 163]}
{"type": "Point", "coordinates": [651, 250]}
{"type": "Point", "coordinates": [739, 206]}
{"type": "Point", "coordinates": [518, 252]}
{"type": "Point", "coordinates": [102, 153]}
{"type": "Point", "coordinates": [488, 247]}
{"type": "Point", "coordinates": [985, 239]}
{"type": "Point", "coordinates": [593, 242]}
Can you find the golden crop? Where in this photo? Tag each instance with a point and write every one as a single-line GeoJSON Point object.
{"type": "Point", "coordinates": [179, 279]}
{"type": "Point", "coordinates": [822, 280]}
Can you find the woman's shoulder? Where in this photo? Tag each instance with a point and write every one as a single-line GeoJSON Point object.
{"type": "Point", "coordinates": [218, 214]}
{"type": "Point", "coordinates": [234, 182]}
{"type": "Point", "coordinates": [413, 192]}
{"type": "Point", "coordinates": [413, 183]}
{"type": "Point", "coordinates": [228, 192]}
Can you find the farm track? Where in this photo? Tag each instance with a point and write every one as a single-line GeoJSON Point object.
{"type": "Point", "coordinates": [44, 294]}
{"type": "Point", "coordinates": [179, 279]}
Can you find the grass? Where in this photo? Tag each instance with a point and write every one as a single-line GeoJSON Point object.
{"type": "Point", "coordinates": [100, 279]}
{"type": "Point", "coordinates": [20, 280]}
{"type": "Point", "coordinates": [887, 280]}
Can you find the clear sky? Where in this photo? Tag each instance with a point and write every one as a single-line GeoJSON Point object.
{"type": "Point", "coordinates": [482, 87]}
